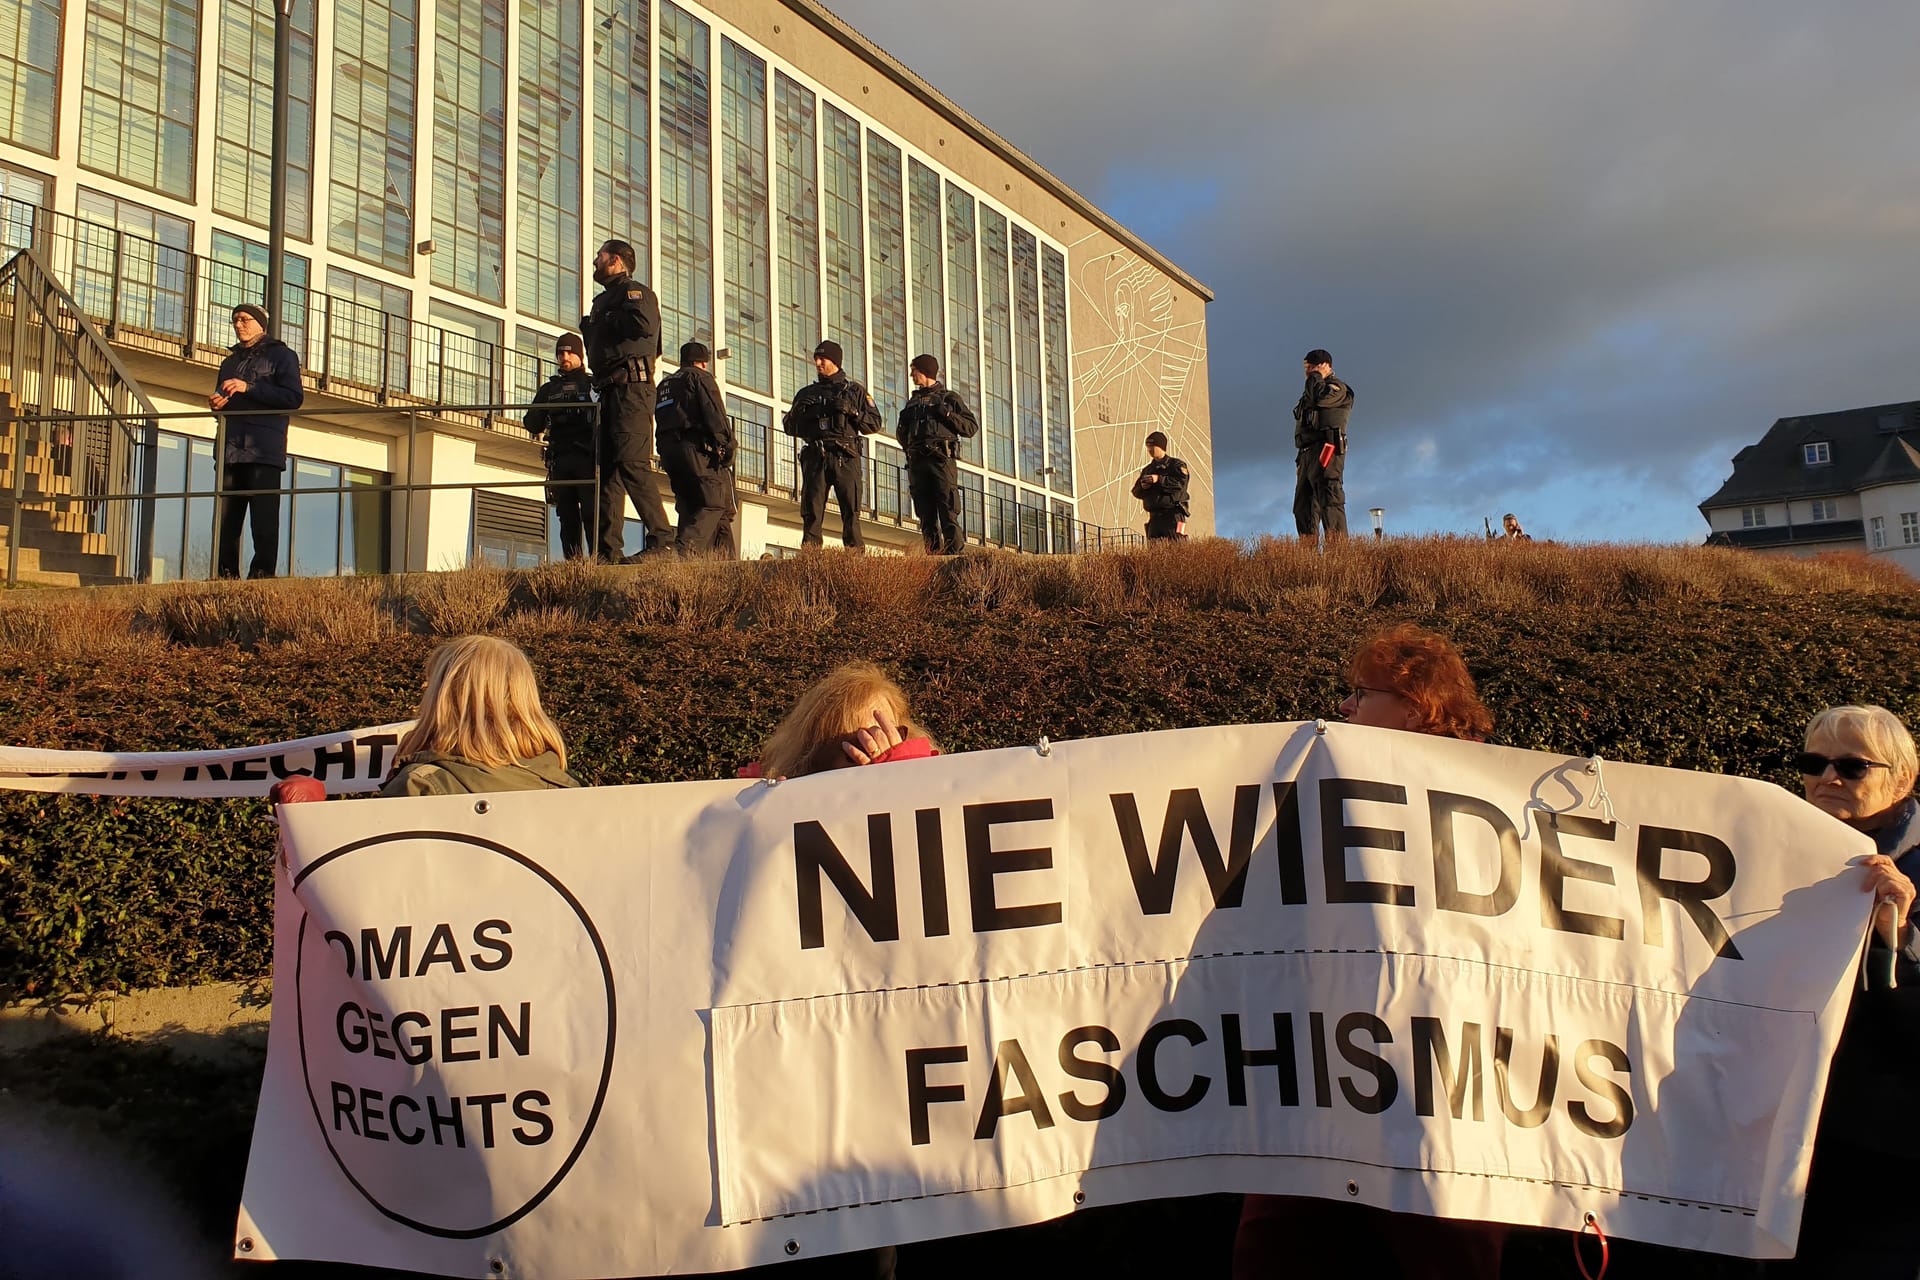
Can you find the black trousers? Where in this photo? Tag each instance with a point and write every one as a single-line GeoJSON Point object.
{"type": "Point", "coordinates": [1319, 494]}
{"type": "Point", "coordinates": [934, 481]}
{"type": "Point", "coordinates": [823, 467]}
{"type": "Point", "coordinates": [702, 496]}
{"type": "Point", "coordinates": [1164, 526]}
{"type": "Point", "coordinates": [626, 467]}
{"type": "Point", "coordinates": [573, 503]}
{"type": "Point", "coordinates": [262, 509]}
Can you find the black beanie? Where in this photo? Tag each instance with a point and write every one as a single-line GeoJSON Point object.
{"type": "Point", "coordinates": [694, 353]}
{"type": "Point", "coordinates": [1157, 440]}
{"type": "Point", "coordinates": [570, 342]}
{"type": "Point", "coordinates": [258, 313]}
{"type": "Point", "coordinates": [831, 350]}
{"type": "Point", "coordinates": [926, 366]}
{"type": "Point", "coordinates": [1319, 355]}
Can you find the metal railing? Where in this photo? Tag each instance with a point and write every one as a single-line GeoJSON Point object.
{"type": "Point", "coordinates": [94, 423]}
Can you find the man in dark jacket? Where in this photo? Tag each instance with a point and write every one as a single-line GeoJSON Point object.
{"type": "Point", "coordinates": [1320, 439]}
{"type": "Point", "coordinates": [829, 416]}
{"type": "Point", "coordinates": [569, 449]}
{"type": "Point", "coordinates": [1162, 489]}
{"type": "Point", "coordinates": [932, 425]}
{"type": "Point", "coordinates": [696, 448]}
{"type": "Point", "coordinates": [258, 383]}
{"type": "Point", "coordinates": [622, 334]}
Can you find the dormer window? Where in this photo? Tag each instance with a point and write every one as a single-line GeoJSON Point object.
{"type": "Point", "coordinates": [1818, 454]}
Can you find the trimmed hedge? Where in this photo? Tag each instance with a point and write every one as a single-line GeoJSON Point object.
{"type": "Point", "coordinates": [102, 894]}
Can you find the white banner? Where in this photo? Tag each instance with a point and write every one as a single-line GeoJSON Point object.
{"type": "Point", "coordinates": [700, 1026]}
{"type": "Point", "coordinates": [347, 763]}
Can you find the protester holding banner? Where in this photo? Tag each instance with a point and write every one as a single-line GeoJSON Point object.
{"type": "Point", "coordinates": [1411, 679]}
{"type": "Point", "coordinates": [480, 727]}
{"type": "Point", "coordinates": [1860, 765]}
{"type": "Point", "coordinates": [854, 716]}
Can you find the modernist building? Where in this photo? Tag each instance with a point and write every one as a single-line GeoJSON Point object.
{"type": "Point", "coordinates": [454, 165]}
{"type": "Point", "coordinates": [1846, 481]}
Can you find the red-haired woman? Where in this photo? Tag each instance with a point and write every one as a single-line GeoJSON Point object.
{"type": "Point", "coordinates": [1412, 679]}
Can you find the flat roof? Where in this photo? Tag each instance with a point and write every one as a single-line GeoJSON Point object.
{"type": "Point", "coordinates": [901, 75]}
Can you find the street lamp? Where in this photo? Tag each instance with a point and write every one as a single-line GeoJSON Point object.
{"type": "Point", "coordinates": [277, 194]}
{"type": "Point", "coordinates": [1379, 515]}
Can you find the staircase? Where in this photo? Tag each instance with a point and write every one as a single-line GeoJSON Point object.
{"type": "Point", "coordinates": [75, 431]}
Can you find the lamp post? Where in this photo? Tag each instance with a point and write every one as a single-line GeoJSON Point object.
{"type": "Point", "coordinates": [1379, 515]}
{"type": "Point", "coordinates": [277, 200]}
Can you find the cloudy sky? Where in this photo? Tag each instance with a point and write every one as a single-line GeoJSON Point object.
{"type": "Point", "coordinates": [1572, 254]}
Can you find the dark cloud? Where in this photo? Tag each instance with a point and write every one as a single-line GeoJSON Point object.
{"type": "Point", "coordinates": [1571, 255]}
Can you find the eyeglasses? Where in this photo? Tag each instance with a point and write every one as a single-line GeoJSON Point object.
{"type": "Point", "coordinates": [1852, 768]}
{"type": "Point", "coordinates": [1360, 691]}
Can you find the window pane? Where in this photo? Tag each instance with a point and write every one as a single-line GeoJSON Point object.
{"type": "Point", "coordinates": [315, 551]}
{"type": "Point", "coordinates": [1053, 277]}
{"type": "Point", "coordinates": [752, 433]}
{"type": "Point", "coordinates": [1026, 337]}
{"type": "Point", "coordinates": [797, 193]}
{"type": "Point", "coordinates": [29, 70]}
{"type": "Point", "coordinates": [888, 259]}
{"type": "Point", "coordinates": [365, 546]}
{"type": "Point", "coordinates": [963, 313]}
{"type": "Point", "coordinates": [929, 304]}
{"type": "Point", "coordinates": [243, 115]}
{"type": "Point", "coordinates": [549, 250]}
{"type": "Point", "coordinates": [996, 422]}
{"type": "Point", "coordinates": [622, 94]}
{"type": "Point", "coordinates": [370, 189]}
{"type": "Point", "coordinates": [686, 179]}
{"type": "Point", "coordinates": [148, 251]}
{"type": "Point", "coordinates": [844, 239]}
{"type": "Point", "coordinates": [137, 92]}
{"type": "Point", "coordinates": [743, 124]}
{"type": "Point", "coordinates": [470, 147]}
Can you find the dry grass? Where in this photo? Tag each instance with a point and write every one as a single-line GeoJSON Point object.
{"type": "Point", "coordinates": [1263, 578]}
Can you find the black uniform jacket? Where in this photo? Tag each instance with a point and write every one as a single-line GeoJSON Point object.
{"type": "Point", "coordinates": [1171, 493]}
{"type": "Point", "coordinates": [569, 431]}
{"type": "Point", "coordinates": [835, 408]}
{"type": "Point", "coordinates": [690, 409]}
{"type": "Point", "coordinates": [622, 333]}
{"type": "Point", "coordinates": [933, 420]}
{"type": "Point", "coordinates": [1321, 416]}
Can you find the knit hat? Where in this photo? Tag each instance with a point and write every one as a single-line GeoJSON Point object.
{"type": "Point", "coordinates": [694, 353]}
{"type": "Point", "coordinates": [830, 350]}
{"type": "Point", "coordinates": [1319, 355]}
{"type": "Point", "coordinates": [258, 313]}
{"type": "Point", "coordinates": [570, 342]}
{"type": "Point", "coordinates": [1157, 440]}
{"type": "Point", "coordinates": [926, 366]}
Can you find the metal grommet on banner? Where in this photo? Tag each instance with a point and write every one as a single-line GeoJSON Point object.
{"type": "Point", "coordinates": [1353, 1188]}
{"type": "Point", "coordinates": [1044, 747]}
{"type": "Point", "coordinates": [1591, 1223]}
{"type": "Point", "coordinates": [1320, 728]}
{"type": "Point", "coordinates": [481, 806]}
{"type": "Point", "coordinates": [1079, 1198]}
{"type": "Point", "coordinates": [497, 1266]}
{"type": "Point", "coordinates": [246, 1244]}
{"type": "Point", "coordinates": [793, 1247]}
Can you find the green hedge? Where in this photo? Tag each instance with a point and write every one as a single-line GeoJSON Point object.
{"type": "Point", "coordinates": [98, 894]}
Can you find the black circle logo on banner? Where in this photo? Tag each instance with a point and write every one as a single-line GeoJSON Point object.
{"type": "Point", "coordinates": [455, 1052]}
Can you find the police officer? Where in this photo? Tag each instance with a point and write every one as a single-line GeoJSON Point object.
{"type": "Point", "coordinates": [932, 425]}
{"type": "Point", "coordinates": [696, 448]}
{"type": "Point", "coordinates": [623, 338]}
{"type": "Point", "coordinates": [569, 448]}
{"type": "Point", "coordinates": [829, 416]}
{"type": "Point", "coordinates": [1162, 489]}
{"type": "Point", "coordinates": [1320, 439]}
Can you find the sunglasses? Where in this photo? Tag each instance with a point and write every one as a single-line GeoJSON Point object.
{"type": "Point", "coordinates": [1852, 768]}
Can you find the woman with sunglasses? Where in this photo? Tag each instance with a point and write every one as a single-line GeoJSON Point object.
{"type": "Point", "coordinates": [1859, 765]}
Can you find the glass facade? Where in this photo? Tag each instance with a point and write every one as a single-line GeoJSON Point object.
{"type": "Point", "coordinates": [887, 242]}
{"type": "Point", "coordinates": [30, 71]}
{"type": "Point", "coordinates": [844, 239]}
{"type": "Point", "coordinates": [243, 116]}
{"type": "Point", "coordinates": [743, 130]}
{"type": "Point", "coordinates": [547, 252]}
{"type": "Point", "coordinates": [797, 196]}
{"type": "Point", "coordinates": [137, 92]}
{"type": "Point", "coordinates": [1053, 283]}
{"type": "Point", "coordinates": [148, 252]}
{"type": "Point", "coordinates": [686, 179]}
{"type": "Point", "coordinates": [24, 197]}
{"type": "Point", "coordinates": [370, 179]}
{"type": "Point", "coordinates": [470, 147]}
{"type": "Point", "coordinates": [622, 125]}
{"type": "Point", "coordinates": [366, 318]}
{"type": "Point", "coordinates": [1026, 359]}
{"type": "Point", "coordinates": [752, 438]}
{"type": "Point", "coordinates": [923, 221]}
{"type": "Point", "coordinates": [237, 272]}
{"type": "Point", "coordinates": [996, 406]}
{"type": "Point", "coordinates": [962, 366]}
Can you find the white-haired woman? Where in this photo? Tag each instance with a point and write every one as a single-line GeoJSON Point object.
{"type": "Point", "coordinates": [1859, 765]}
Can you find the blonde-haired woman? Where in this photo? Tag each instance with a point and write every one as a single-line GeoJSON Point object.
{"type": "Point", "coordinates": [480, 727]}
{"type": "Point", "coordinates": [855, 716]}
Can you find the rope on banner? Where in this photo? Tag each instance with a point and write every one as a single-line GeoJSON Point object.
{"type": "Point", "coordinates": [1601, 800]}
{"type": "Point", "coordinates": [1579, 1255]}
{"type": "Point", "coordinates": [1044, 747]}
